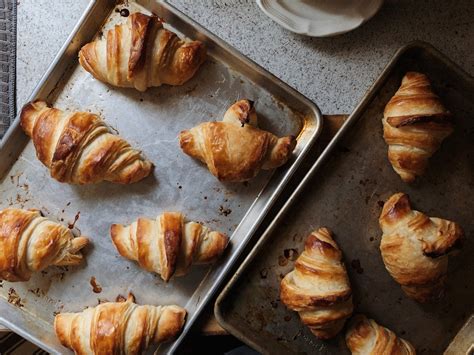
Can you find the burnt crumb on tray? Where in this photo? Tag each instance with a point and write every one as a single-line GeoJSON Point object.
{"type": "Point", "coordinates": [291, 254]}
{"type": "Point", "coordinates": [357, 266]}
{"type": "Point", "coordinates": [14, 299]}
{"type": "Point", "coordinates": [76, 218]}
{"type": "Point", "coordinates": [37, 292]}
{"type": "Point", "coordinates": [224, 211]}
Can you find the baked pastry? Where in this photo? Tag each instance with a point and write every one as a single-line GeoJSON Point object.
{"type": "Point", "coordinates": [167, 245]}
{"type": "Point", "coordinates": [415, 248]}
{"type": "Point", "coordinates": [118, 327]}
{"type": "Point", "coordinates": [79, 148]}
{"type": "Point", "coordinates": [30, 243]}
{"type": "Point", "coordinates": [140, 54]}
{"type": "Point", "coordinates": [366, 337]}
{"type": "Point", "coordinates": [235, 149]}
{"type": "Point", "coordinates": [415, 123]}
{"type": "Point", "coordinates": [318, 288]}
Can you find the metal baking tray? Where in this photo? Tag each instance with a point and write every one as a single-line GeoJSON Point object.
{"type": "Point", "coordinates": [150, 121]}
{"type": "Point", "coordinates": [345, 190]}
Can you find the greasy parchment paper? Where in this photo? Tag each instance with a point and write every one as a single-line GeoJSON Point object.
{"type": "Point", "coordinates": [150, 121]}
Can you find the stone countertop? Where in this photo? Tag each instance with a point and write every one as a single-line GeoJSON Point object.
{"type": "Point", "coordinates": [333, 72]}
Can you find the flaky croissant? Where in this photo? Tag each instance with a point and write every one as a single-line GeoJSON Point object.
{"type": "Point", "coordinates": [141, 53]}
{"type": "Point", "coordinates": [30, 243]}
{"type": "Point", "coordinates": [366, 337]}
{"type": "Point", "coordinates": [415, 123]}
{"type": "Point", "coordinates": [415, 248]}
{"type": "Point", "coordinates": [79, 148]}
{"type": "Point", "coordinates": [235, 149]}
{"type": "Point", "coordinates": [118, 327]}
{"type": "Point", "coordinates": [318, 288]}
{"type": "Point", "coordinates": [167, 245]}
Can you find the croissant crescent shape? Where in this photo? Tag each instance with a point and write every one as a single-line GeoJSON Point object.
{"type": "Point", "coordinates": [140, 54]}
{"type": "Point", "coordinates": [415, 248]}
{"type": "Point", "coordinates": [167, 245]}
{"type": "Point", "coordinates": [79, 148]}
{"type": "Point", "coordinates": [318, 288]}
{"type": "Point", "coordinates": [118, 327]}
{"type": "Point", "coordinates": [415, 124]}
{"type": "Point", "coordinates": [30, 243]}
{"type": "Point", "coordinates": [235, 149]}
{"type": "Point", "coordinates": [366, 337]}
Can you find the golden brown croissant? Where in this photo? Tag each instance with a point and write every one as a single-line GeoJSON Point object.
{"type": "Point", "coordinates": [79, 148]}
{"type": "Point", "coordinates": [30, 243]}
{"type": "Point", "coordinates": [167, 245]}
{"type": "Point", "coordinates": [415, 248]}
{"type": "Point", "coordinates": [235, 149]}
{"type": "Point", "coordinates": [415, 124]}
{"type": "Point", "coordinates": [366, 337]}
{"type": "Point", "coordinates": [141, 53]}
{"type": "Point", "coordinates": [318, 288]}
{"type": "Point", "coordinates": [118, 327]}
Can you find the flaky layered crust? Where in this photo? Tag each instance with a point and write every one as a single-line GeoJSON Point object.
{"type": "Point", "coordinates": [235, 149]}
{"type": "Point", "coordinates": [140, 54]}
{"type": "Point", "coordinates": [78, 147]}
{"type": "Point", "coordinates": [415, 124]}
{"type": "Point", "coordinates": [318, 288]}
{"type": "Point", "coordinates": [415, 248]}
{"type": "Point", "coordinates": [118, 327]}
{"type": "Point", "coordinates": [30, 243]}
{"type": "Point", "coordinates": [366, 337]}
{"type": "Point", "coordinates": [168, 245]}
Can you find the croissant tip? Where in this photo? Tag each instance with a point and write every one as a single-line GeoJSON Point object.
{"type": "Point", "coordinates": [27, 115]}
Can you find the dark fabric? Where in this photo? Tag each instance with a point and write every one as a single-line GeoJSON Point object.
{"type": "Point", "coordinates": [12, 344]}
{"type": "Point", "coordinates": [7, 63]}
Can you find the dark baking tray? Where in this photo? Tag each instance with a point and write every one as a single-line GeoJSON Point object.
{"type": "Point", "coordinates": [344, 190]}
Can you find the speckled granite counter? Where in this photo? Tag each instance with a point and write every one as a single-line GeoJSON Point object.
{"type": "Point", "coordinates": [333, 72]}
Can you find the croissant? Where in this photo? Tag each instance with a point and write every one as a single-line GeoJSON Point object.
{"type": "Point", "coordinates": [318, 288]}
{"type": "Point", "coordinates": [118, 327]}
{"type": "Point", "coordinates": [415, 248]}
{"type": "Point", "coordinates": [415, 124]}
{"type": "Point", "coordinates": [141, 53]}
{"type": "Point", "coordinates": [235, 149]}
{"type": "Point", "coordinates": [30, 243]}
{"type": "Point", "coordinates": [366, 337]}
{"type": "Point", "coordinates": [167, 245]}
{"type": "Point", "coordinates": [79, 148]}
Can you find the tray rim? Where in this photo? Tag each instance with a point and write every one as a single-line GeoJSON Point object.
{"type": "Point", "coordinates": [278, 188]}
{"type": "Point", "coordinates": [345, 128]}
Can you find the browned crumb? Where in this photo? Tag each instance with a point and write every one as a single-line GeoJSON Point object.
{"type": "Point", "coordinates": [14, 299]}
{"type": "Point", "coordinates": [291, 254]}
{"type": "Point", "coordinates": [96, 288]}
{"type": "Point", "coordinates": [224, 211]}
{"type": "Point", "coordinates": [37, 292]}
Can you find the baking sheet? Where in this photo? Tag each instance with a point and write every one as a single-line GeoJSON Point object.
{"type": "Point", "coordinates": [345, 191]}
{"type": "Point", "coordinates": [150, 121]}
